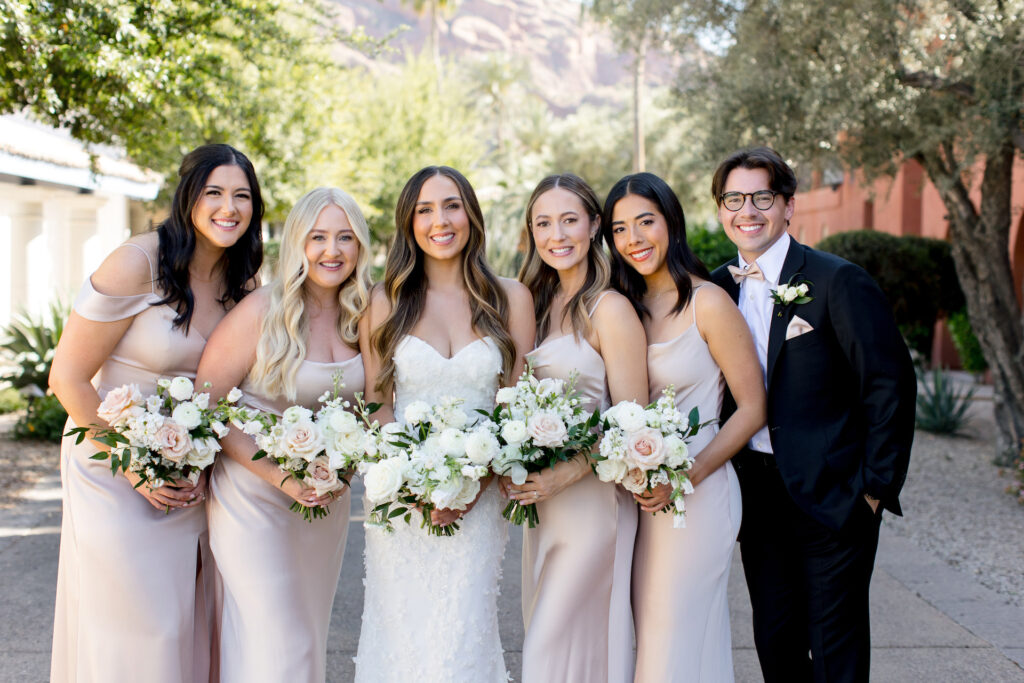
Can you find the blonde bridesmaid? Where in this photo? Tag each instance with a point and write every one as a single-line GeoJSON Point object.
{"type": "Point", "coordinates": [576, 562]}
{"type": "Point", "coordinates": [130, 597]}
{"type": "Point", "coordinates": [283, 346]}
{"type": "Point", "coordinates": [699, 342]}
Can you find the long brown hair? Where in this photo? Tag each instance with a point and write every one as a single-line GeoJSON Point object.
{"type": "Point", "coordinates": [542, 280]}
{"type": "Point", "coordinates": [405, 282]}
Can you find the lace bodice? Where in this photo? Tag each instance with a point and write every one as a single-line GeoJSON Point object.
{"type": "Point", "coordinates": [423, 374]}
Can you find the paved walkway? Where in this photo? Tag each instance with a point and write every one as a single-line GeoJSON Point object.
{"type": "Point", "coordinates": [930, 622]}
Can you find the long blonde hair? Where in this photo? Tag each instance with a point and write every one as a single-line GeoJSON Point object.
{"type": "Point", "coordinates": [405, 282]}
{"type": "Point", "coordinates": [542, 279]}
{"type": "Point", "coordinates": [285, 329]}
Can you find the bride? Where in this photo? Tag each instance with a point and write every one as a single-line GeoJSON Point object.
{"type": "Point", "coordinates": [441, 325]}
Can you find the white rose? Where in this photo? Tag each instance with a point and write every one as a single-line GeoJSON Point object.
{"type": "Point", "coordinates": [172, 441]}
{"type": "Point", "coordinates": [120, 404]}
{"type": "Point", "coordinates": [234, 395]}
{"type": "Point", "coordinates": [383, 480]}
{"type": "Point", "coordinates": [802, 289]}
{"type": "Point", "coordinates": [514, 431]}
{"type": "Point", "coordinates": [677, 452]}
{"type": "Point", "coordinates": [645, 449]}
{"type": "Point", "coordinates": [416, 412]}
{"type": "Point", "coordinates": [446, 492]}
{"type": "Point", "coordinates": [180, 388]}
{"type": "Point", "coordinates": [630, 416]}
{"type": "Point", "coordinates": [321, 476]}
{"type": "Point", "coordinates": [505, 395]}
{"type": "Point", "coordinates": [343, 421]}
{"type": "Point", "coordinates": [546, 429]}
{"type": "Point", "coordinates": [302, 440]}
{"type": "Point", "coordinates": [187, 414]}
{"type": "Point", "coordinates": [452, 442]}
{"type": "Point", "coordinates": [297, 414]}
{"type": "Point", "coordinates": [219, 428]}
{"type": "Point", "coordinates": [348, 442]}
{"type": "Point", "coordinates": [635, 481]}
{"type": "Point", "coordinates": [611, 470]}
{"type": "Point", "coordinates": [482, 447]}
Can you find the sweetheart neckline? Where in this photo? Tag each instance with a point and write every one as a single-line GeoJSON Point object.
{"type": "Point", "coordinates": [441, 355]}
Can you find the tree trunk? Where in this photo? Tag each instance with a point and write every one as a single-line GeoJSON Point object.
{"type": "Point", "coordinates": [639, 71]}
{"type": "Point", "coordinates": [980, 245]}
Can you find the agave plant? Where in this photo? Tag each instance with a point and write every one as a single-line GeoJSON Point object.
{"type": "Point", "coordinates": [941, 407]}
{"type": "Point", "coordinates": [29, 344]}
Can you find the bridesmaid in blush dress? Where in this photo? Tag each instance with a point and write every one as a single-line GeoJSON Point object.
{"type": "Point", "coordinates": [129, 606]}
{"type": "Point", "coordinates": [576, 562]}
{"type": "Point", "coordinates": [278, 573]}
{"type": "Point", "coordinates": [699, 342]}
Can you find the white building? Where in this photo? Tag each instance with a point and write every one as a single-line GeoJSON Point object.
{"type": "Point", "coordinates": [60, 214]}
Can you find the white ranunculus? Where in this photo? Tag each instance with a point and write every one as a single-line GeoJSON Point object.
{"type": "Point", "coordinates": [611, 470]}
{"type": "Point", "coordinates": [630, 416]}
{"type": "Point", "coordinates": [676, 451]}
{"type": "Point", "coordinates": [505, 395]}
{"type": "Point", "coordinates": [187, 414]}
{"type": "Point", "coordinates": [416, 412]}
{"type": "Point", "coordinates": [482, 447]}
{"type": "Point", "coordinates": [452, 442]}
{"type": "Point", "coordinates": [383, 480]}
{"type": "Point", "coordinates": [295, 414]}
{"type": "Point", "coordinates": [546, 429]}
{"type": "Point", "coordinates": [234, 395]}
{"type": "Point", "coordinates": [180, 388]}
{"type": "Point", "coordinates": [514, 431]}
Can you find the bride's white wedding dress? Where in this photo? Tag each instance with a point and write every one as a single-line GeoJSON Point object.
{"type": "Point", "coordinates": [430, 605]}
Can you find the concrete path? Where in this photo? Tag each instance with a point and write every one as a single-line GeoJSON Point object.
{"type": "Point", "coordinates": [930, 623]}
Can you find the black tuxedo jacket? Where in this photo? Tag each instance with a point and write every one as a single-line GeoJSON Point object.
{"type": "Point", "coordinates": [841, 398]}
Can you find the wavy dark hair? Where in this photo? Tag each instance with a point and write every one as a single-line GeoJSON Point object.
{"type": "Point", "coordinates": [681, 260]}
{"type": "Point", "coordinates": [177, 234]}
{"type": "Point", "coordinates": [405, 282]}
{"type": "Point", "coordinates": [542, 280]}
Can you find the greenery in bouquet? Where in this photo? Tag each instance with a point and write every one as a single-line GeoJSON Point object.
{"type": "Point", "coordinates": [319, 449]}
{"type": "Point", "coordinates": [643, 448]}
{"type": "Point", "coordinates": [167, 437]}
{"type": "Point", "coordinates": [539, 423]}
{"type": "Point", "coordinates": [434, 459]}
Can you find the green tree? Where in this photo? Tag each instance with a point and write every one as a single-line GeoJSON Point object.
{"type": "Point", "coordinates": [874, 83]}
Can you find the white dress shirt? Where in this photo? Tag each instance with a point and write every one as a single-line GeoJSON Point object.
{"type": "Point", "coordinates": [755, 303]}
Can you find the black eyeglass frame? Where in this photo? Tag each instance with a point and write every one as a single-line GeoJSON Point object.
{"type": "Point", "coordinates": [743, 199]}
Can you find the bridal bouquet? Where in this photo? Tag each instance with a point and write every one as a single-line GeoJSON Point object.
{"type": "Point", "coordinates": [163, 438]}
{"type": "Point", "coordinates": [435, 460]}
{"type": "Point", "coordinates": [643, 448]}
{"type": "Point", "coordinates": [539, 423]}
{"type": "Point", "coordinates": [319, 449]}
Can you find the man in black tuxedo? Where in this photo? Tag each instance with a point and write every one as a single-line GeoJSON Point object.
{"type": "Point", "coordinates": [834, 454]}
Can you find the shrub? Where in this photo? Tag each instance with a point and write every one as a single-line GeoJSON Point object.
{"type": "Point", "coordinates": [711, 246]}
{"type": "Point", "coordinates": [30, 343]}
{"type": "Point", "coordinates": [941, 407]}
{"type": "Point", "coordinates": [44, 419]}
{"type": "Point", "coordinates": [966, 343]}
{"type": "Point", "coordinates": [11, 400]}
{"type": "Point", "coordinates": [916, 273]}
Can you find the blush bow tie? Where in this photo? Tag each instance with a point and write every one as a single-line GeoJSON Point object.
{"type": "Point", "coordinates": [740, 274]}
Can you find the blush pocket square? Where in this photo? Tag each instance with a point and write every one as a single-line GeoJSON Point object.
{"type": "Point", "coordinates": [797, 326]}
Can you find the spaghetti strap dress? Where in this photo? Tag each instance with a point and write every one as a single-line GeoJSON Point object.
{"type": "Point", "coordinates": [277, 572]}
{"type": "Point", "coordinates": [576, 561]}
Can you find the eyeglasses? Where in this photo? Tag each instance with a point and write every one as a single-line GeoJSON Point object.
{"type": "Point", "coordinates": [762, 199]}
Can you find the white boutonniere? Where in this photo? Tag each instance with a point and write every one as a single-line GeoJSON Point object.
{"type": "Point", "coordinates": [792, 292]}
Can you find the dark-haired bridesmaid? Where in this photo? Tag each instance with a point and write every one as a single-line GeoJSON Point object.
{"type": "Point", "coordinates": [130, 602]}
{"type": "Point", "coordinates": [698, 342]}
{"type": "Point", "coordinates": [576, 561]}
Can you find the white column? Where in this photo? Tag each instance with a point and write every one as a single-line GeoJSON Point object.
{"type": "Point", "coordinates": [6, 257]}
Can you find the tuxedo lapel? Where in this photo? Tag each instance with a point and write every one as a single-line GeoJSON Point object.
{"type": "Point", "coordinates": [730, 285]}
{"type": "Point", "coordinates": [781, 315]}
